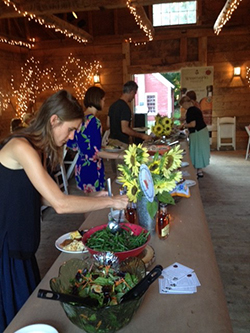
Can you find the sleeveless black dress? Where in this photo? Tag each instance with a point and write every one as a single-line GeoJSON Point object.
{"type": "Point", "coordinates": [20, 206]}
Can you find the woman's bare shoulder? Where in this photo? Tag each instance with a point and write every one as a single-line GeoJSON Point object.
{"type": "Point", "coordinates": [15, 150]}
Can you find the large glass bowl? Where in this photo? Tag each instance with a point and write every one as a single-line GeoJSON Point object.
{"type": "Point", "coordinates": [102, 320]}
{"type": "Point", "coordinates": [136, 229]}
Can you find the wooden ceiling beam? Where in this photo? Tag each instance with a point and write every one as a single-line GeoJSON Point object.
{"type": "Point", "coordinates": [52, 20]}
{"type": "Point", "coordinates": [41, 7]}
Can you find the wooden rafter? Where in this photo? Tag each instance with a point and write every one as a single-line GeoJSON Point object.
{"type": "Point", "coordinates": [225, 14]}
{"type": "Point", "coordinates": [41, 7]}
{"type": "Point", "coordinates": [59, 25]}
{"type": "Point", "coordinates": [65, 26]}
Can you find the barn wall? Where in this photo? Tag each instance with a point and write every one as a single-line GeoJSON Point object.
{"type": "Point", "coordinates": [167, 52]}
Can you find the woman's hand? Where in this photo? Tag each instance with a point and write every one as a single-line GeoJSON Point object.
{"type": "Point", "coordinates": [119, 201]}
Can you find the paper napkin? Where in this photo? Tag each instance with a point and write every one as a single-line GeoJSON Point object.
{"type": "Point", "coordinates": [178, 279]}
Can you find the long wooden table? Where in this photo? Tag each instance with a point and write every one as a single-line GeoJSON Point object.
{"type": "Point", "coordinates": [189, 243]}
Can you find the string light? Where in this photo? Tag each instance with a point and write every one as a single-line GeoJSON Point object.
{"type": "Point", "coordinates": [79, 76]}
{"type": "Point", "coordinates": [134, 11]}
{"type": "Point", "coordinates": [16, 42]}
{"type": "Point", "coordinates": [225, 14]}
{"type": "Point", "coordinates": [248, 75]}
{"type": "Point", "coordinates": [35, 80]}
{"type": "Point", "coordinates": [41, 21]}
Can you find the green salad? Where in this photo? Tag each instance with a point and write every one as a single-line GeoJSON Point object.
{"type": "Point", "coordinates": [103, 286]}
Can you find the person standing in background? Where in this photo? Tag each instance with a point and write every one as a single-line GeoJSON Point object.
{"type": "Point", "coordinates": [89, 169]}
{"type": "Point", "coordinates": [199, 145]}
{"type": "Point", "coordinates": [120, 117]}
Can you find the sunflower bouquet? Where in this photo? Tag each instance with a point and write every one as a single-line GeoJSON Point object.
{"type": "Point", "coordinates": [163, 170]}
{"type": "Point", "coordinates": [162, 126]}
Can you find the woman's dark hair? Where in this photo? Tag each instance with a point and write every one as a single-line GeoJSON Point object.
{"type": "Point", "coordinates": [191, 94]}
{"type": "Point", "coordinates": [93, 97]}
{"type": "Point", "coordinates": [39, 133]}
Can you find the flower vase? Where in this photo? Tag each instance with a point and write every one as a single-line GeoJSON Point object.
{"type": "Point", "coordinates": [144, 219]}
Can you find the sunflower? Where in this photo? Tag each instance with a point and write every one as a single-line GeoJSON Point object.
{"type": "Point", "coordinates": [166, 122]}
{"type": "Point", "coordinates": [154, 167]}
{"type": "Point", "coordinates": [142, 154]}
{"type": "Point", "coordinates": [130, 159]}
{"type": "Point", "coordinates": [132, 190]}
{"type": "Point", "coordinates": [158, 129]}
{"type": "Point", "coordinates": [164, 185]}
{"type": "Point", "coordinates": [174, 158]}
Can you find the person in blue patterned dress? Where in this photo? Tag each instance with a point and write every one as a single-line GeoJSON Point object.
{"type": "Point", "coordinates": [89, 169]}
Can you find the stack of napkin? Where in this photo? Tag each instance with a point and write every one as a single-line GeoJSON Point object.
{"type": "Point", "coordinates": [178, 279]}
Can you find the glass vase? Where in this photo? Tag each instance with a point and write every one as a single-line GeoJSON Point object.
{"type": "Point", "coordinates": [144, 219]}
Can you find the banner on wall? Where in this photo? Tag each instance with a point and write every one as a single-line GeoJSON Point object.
{"type": "Point", "coordinates": [200, 80]}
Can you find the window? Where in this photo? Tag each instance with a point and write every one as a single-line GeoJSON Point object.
{"type": "Point", "coordinates": [151, 103]}
{"type": "Point", "coordinates": [174, 13]}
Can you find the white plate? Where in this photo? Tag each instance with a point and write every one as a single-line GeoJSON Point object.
{"type": "Point", "coordinates": [190, 182]}
{"type": "Point", "coordinates": [37, 328]}
{"type": "Point", "coordinates": [113, 150]}
{"type": "Point", "coordinates": [184, 164]}
{"type": "Point", "coordinates": [61, 239]}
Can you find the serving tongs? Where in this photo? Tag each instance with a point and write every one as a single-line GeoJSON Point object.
{"type": "Point", "coordinates": [142, 286]}
{"type": "Point", "coordinates": [66, 298]}
{"type": "Point", "coordinates": [135, 292]}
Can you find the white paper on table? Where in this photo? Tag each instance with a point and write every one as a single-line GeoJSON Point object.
{"type": "Point", "coordinates": [173, 290]}
{"type": "Point", "coordinates": [185, 173]}
{"type": "Point", "coordinates": [176, 271]}
{"type": "Point", "coordinates": [178, 279]}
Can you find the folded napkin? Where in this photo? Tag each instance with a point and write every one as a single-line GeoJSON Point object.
{"type": "Point", "coordinates": [178, 279]}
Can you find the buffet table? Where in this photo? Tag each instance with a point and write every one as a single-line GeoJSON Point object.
{"type": "Point", "coordinates": [189, 243]}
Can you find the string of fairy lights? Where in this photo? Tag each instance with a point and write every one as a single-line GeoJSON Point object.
{"type": "Point", "coordinates": [248, 75]}
{"type": "Point", "coordinates": [139, 20]}
{"type": "Point", "coordinates": [225, 14]}
{"type": "Point", "coordinates": [35, 80]}
{"type": "Point", "coordinates": [32, 16]}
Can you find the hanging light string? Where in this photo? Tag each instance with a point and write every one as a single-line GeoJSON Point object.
{"type": "Point", "coordinates": [15, 42]}
{"type": "Point", "coordinates": [225, 15]}
{"type": "Point", "coordinates": [248, 75]}
{"type": "Point", "coordinates": [138, 18]}
{"type": "Point", "coordinates": [41, 21]}
{"type": "Point", "coordinates": [35, 80]}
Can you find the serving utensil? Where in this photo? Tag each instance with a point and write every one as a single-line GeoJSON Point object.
{"type": "Point", "coordinates": [113, 225]}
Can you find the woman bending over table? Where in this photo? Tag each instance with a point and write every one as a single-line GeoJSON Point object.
{"type": "Point", "coordinates": [24, 181]}
{"type": "Point", "coordinates": [199, 145]}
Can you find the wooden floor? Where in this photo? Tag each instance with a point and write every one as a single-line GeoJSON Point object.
{"type": "Point", "coordinates": [225, 195]}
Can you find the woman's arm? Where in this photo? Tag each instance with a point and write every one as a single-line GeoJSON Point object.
{"type": "Point", "coordinates": [112, 156]}
{"type": "Point", "coordinates": [22, 155]}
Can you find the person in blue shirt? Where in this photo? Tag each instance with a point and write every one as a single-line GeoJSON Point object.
{"type": "Point", "coordinates": [89, 169]}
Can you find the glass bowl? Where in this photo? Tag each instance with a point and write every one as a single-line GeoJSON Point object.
{"type": "Point", "coordinates": [106, 319]}
{"type": "Point", "coordinates": [136, 229]}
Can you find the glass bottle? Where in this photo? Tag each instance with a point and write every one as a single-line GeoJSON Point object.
{"type": "Point", "coordinates": [162, 221]}
{"type": "Point", "coordinates": [131, 213]}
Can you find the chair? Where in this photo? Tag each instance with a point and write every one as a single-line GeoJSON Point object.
{"type": "Point", "coordinates": [248, 145]}
{"type": "Point", "coordinates": [105, 138]}
{"type": "Point", "coordinates": [61, 179]}
{"type": "Point", "coordinates": [70, 163]}
{"type": "Point", "coordinates": [226, 130]}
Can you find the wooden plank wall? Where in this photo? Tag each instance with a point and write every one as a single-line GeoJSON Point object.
{"type": "Point", "coordinates": [168, 52]}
